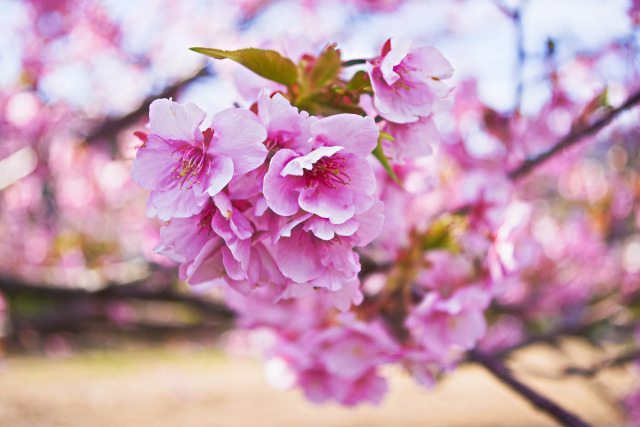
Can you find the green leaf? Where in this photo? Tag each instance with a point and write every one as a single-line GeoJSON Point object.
{"type": "Point", "coordinates": [442, 233]}
{"type": "Point", "coordinates": [385, 135]}
{"type": "Point", "coordinates": [266, 63]}
{"type": "Point", "coordinates": [378, 153]}
{"type": "Point", "coordinates": [326, 67]}
{"type": "Point", "coordinates": [359, 82]}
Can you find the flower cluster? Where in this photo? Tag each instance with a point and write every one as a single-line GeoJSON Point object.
{"type": "Point", "coordinates": [276, 196]}
{"type": "Point", "coordinates": [270, 202]}
{"type": "Point", "coordinates": [408, 88]}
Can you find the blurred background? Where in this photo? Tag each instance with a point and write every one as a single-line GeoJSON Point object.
{"type": "Point", "coordinates": [96, 329]}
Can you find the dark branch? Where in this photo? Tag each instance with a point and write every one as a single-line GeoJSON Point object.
{"type": "Point", "coordinates": [620, 360]}
{"type": "Point", "coordinates": [576, 134]}
{"type": "Point", "coordinates": [111, 126]}
{"type": "Point", "coordinates": [134, 290]}
{"type": "Point", "coordinates": [497, 368]}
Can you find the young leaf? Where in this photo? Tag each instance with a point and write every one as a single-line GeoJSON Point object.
{"type": "Point", "coordinates": [359, 81]}
{"type": "Point", "coordinates": [443, 233]}
{"type": "Point", "coordinates": [379, 154]}
{"type": "Point", "coordinates": [266, 63]}
{"type": "Point", "coordinates": [387, 136]}
{"type": "Point", "coordinates": [326, 67]}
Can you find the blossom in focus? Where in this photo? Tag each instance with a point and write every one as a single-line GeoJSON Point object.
{"type": "Point", "coordinates": [314, 253]}
{"type": "Point", "coordinates": [183, 166]}
{"type": "Point", "coordinates": [407, 83]}
{"type": "Point", "coordinates": [333, 181]}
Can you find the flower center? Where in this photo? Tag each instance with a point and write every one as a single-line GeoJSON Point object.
{"type": "Point", "coordinates": [192, 161]}
{"type": "Point", "coordinates": [206, 216]}
{"type": "Point", "coordinates": [329, 171]}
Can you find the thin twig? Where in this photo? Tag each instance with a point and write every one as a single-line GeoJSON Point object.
{"type": "Point", "coordinates": [571, 138]}
{"type": "Point", "coordinates": [497, 368]}
{"type": "Point", "coordinates": [620, 360]}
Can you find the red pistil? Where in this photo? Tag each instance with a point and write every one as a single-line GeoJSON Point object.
{"type": "Point", "coordinates": [206, 216]}
{"type": "Point", "coordinates": [329, 171]}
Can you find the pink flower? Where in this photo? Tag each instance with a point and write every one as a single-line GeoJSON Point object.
{"type": "Point", "coordinates": [443, 325]}
{"type": "Point", "coordinates": [286, 128]}
{"type": "Point", "coordinates": [422, 366]}
{"type": "Point", "coordinates": [333, 181]}
{"type": "Point", "coordinates": [313, 251]}
{"type": "Point", "coordinates": [341, 362]}
{"type": "Point", "coordinates": [319, 386]}
{"type": "Point", "coordinates": [215, 247]}
{"type": "Point", "coordinates": [407, 82]}
{"type": "Point", "coordinates": [349, 294]}
{"type": "Point", "coordinates": [325, 264]}
{"type": "Point", "coordinates": [183, 166]}
{"type": "Point", "coordinates": [412, 140]}
{"type": "Point", "coordinates": [352, 348]}
{"type": "Point", "coordinates": [184, 238]}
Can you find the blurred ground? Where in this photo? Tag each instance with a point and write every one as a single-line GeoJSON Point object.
{"type": "Point", "coordinates": [203, 388]}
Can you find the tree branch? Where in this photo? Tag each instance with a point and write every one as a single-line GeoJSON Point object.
{"type": "Point", "coordinates": [134, 290]}
{"type": "Point", "coordinates": [111, 126]}
{"type": "Point", "coordinates": [620, 360]}
{"type": "Point", "coordinates": [497, 368]}
{"type": "Point", "coordinates": [571, 138]}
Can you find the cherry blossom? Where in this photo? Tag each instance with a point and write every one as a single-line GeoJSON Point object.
{"type": "Point", "coordinates": [407, 83]}
{"type": "Point", "coordinates": [183, 165]}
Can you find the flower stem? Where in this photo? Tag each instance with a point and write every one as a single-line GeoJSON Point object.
{"type": "Point", "coordinates": [354, 62]}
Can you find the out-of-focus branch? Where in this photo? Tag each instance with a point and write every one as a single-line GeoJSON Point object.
{"type": "Point", "coordinates": [497, 368]}
{"type": "Point", "coordinates": [552, 337]}
{"type": "Point", "coordinates": [516, 16]}
{"type": "Point", "coordinates": [111, 126]}
{"type": "Point", "coordinates": [134, 290]}
{"type": "Point", "coordinates": [574, 136]}
{"type": "Point", "coordinates": [620, 360]}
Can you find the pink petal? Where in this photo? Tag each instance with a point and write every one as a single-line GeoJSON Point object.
{"type": "Point", "coordinates": [233, 268]}
{"type": "Point", "coordinates": [153, 166]}
{"type": "Point", "coordinates": [362, 185]}
{"type": "Point", "coordinates": [281, 193]}
{"type": "Point", "coordinates": [240, 226]}
{"type": "Point", "coordinates": [357, 134]}
{"type": "Point", "coordinates": [370, 224]}
{"type": "Point", "coordinates": [185, 236]}
{"type": "Point", "coordinates": [297, 258]}
{"type": "Point", "coordinates": [240, 139]}
{"type": "Point", "coordinates": [413, 139]}
{"type": "Point", "coordinates": [285, 231]}
{"type": "Point", "coordinates": [298, 165]}
{"type": "Point", "coordinates": [175, 121]}
{"type": "Point", "coordinates": [335, 205]}
{"type": "Point", "coordinates": [395, 56]}
{"type": "Point", "coordinates": [176, 203]}
{"type": "Point", "coordinates": [208, 265]}
{"type": "Point", "coordinates": [220, 174]}
{"type": "Point", "coordinates": [431, 62]}
{"type": "Point", "coordinates": [324, 229]}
